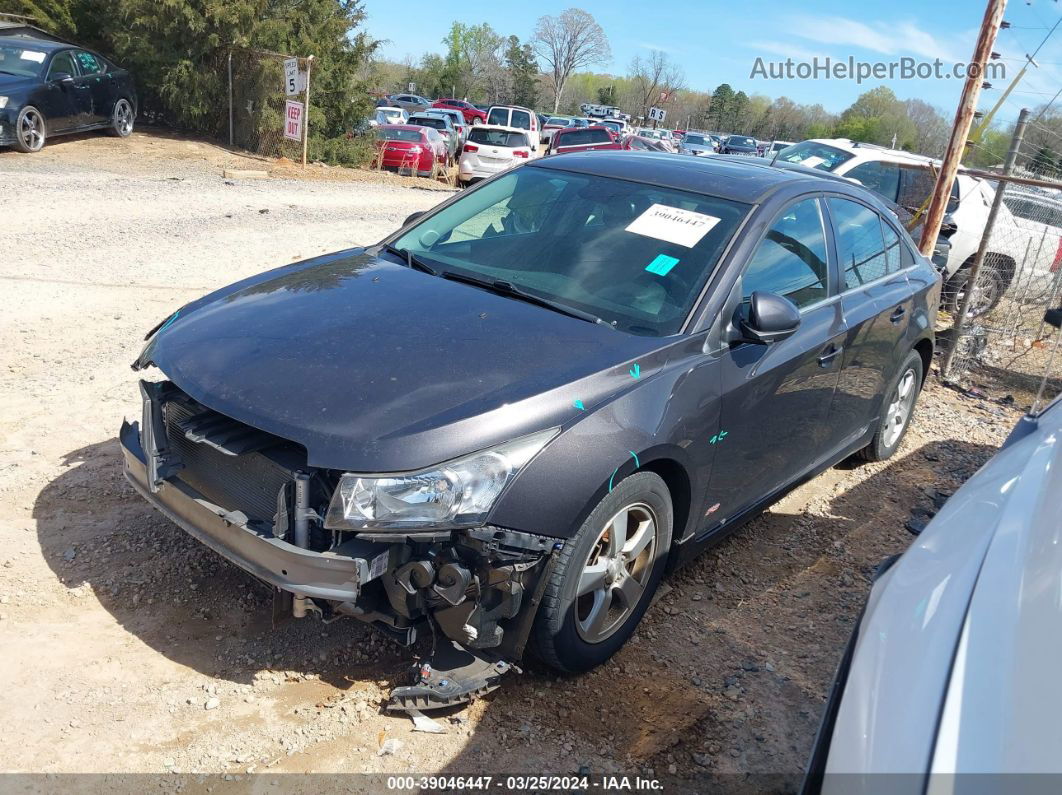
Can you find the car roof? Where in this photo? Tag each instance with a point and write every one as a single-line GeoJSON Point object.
{"type": "Point", "coordinates": [36, 44]}
{"type": "Point", "coordinates": [730, 178]}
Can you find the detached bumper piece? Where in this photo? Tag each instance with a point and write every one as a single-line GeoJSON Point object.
{"type": "Point", "coordinates": [453, 675]}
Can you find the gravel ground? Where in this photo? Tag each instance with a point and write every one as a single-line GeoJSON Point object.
{"type": "Point", "coordinates": [133, 649]}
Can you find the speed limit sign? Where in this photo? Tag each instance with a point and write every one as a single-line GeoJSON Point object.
{"type": "Point", "coordinates": [291, 76]}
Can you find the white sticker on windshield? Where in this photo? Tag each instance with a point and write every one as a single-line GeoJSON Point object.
{"type": "Point", "coordinates": [812, 161]}
{"type": "Point", "coordinates": [673, 225]}
{"type": "Point", "coordinates": [30, 55]}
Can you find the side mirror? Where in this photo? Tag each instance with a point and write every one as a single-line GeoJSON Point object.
{"type": "Point", "coordinates": [62, 77]}
{"type": "Point", "coordinates": [412, 217]}
{"type": "Point", "coordinates": [768, 318]}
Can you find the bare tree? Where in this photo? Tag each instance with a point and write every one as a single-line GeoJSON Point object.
{"type": "Point", "coordinates": [573, 40]}
{"type": "Point", "coordinates": [655, 75]}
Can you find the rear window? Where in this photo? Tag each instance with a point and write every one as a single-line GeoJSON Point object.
{"type": "Point", "coordinates": [429, 121]}
{"type": "Point", "coordinates": [521, 119]}
{"type": "Point", "coordinates": [499, 116]}
{"type": "Point", "coordinates": [385, 134]}
{"type": "Point", "coordinates": [497, 137]}
{"type": "Point", "coordinates": [695, 139]}
{"type": "Point", "coordinates": [814, 155]}
{"type": "Point", "coordinates": [581, 137]}
{"type": "Point", "coordinates": [739, 140]}
{"type": "Point", "coordinates": [558, 120]}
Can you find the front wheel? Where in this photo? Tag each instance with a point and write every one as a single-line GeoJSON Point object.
{"type": "Point", "coordinates": [987, 292]}
{"type": "Point", "coordinates": [122, 118]}
{"type": "Point", "coordinates": [30, 130]}
{"type": "Point", "coordinates": [896, 410]}
{"type": "Point", "coordinates": [604, 578]}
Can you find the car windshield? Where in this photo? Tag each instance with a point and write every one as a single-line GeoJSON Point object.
{"type": "Point", "coordinates": [698, 140]}
{"type": "Point", "coordinates": [20, 60]}
{"type": "Point", "coordinates": [392, 134]}
{"type": "Point", "coordinates": [580, 137]}
{"type": "Point", "coordinates": [814, 155]}
{"type": "Point", "coordinates": [633, 254]}
{"type": "Point", "coordinates": [496, 137]}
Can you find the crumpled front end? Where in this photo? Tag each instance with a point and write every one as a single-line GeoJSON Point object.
{"type": "Point", "coordinates": [251, 497]}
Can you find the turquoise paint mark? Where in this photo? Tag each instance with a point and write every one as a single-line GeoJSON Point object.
{"type": "Point", "coordinates": [169, 322]}
{"type": "Point", "coordinates": [662, 265]}
{"type": "Point", "coordinates": [579, 405]}
{"type": "Point", "coordinates": [637, 465]}
{"type": "Point", "coordinates": [636, 371]}
{"type": "Point", "coordinates": [718, 437]}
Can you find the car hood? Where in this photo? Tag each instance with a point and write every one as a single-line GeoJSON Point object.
{"type": "Point", "coordinates": [373, 366]}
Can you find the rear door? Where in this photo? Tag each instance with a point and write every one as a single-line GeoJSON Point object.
{"type": "Point", "coordinates": [878, 303]}
{"type": "Point", "coordinates": [101, 88]}
{"type": "Point", "coordinates": [776, 398]}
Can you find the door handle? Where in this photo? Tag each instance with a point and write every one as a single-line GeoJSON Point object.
{"type": "Point", "coordinates": [829, 354]}
{"type": "Point", "coordinates": [897, 314]}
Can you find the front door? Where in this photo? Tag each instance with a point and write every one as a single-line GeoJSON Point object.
{"type": "Point", "coordinates": [776, 398]}
{"type": "Point", "coordinates": [64, 101]}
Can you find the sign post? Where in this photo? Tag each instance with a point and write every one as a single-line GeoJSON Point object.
{"type": "Point", "coordinates": [306, 124]}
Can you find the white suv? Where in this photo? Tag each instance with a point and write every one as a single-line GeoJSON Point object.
{"type": "Point", "coordinates": [907, 180]}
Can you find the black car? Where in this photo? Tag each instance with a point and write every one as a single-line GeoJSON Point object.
{"type": "Point", "coordinates": [739, 145]}
{"type": "Point", "coordinates": [506, 420]}
{"type": "Point", "coordinates": [51, 88]}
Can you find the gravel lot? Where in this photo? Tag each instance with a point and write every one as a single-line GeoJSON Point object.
{"type": "Point", "coordinates": [127, 647]}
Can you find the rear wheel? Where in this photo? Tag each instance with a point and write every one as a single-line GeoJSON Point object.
{"type": "Point", "coordinates": [897, 410]}
{"type": "Point", "coordinates": [122, 118]}
{"type": "Point", "coordinates": [30, 130]}
{"type": "Point", "coordinates": [604, 578]}
{"type": "Point", "coordinates": [987, 292]}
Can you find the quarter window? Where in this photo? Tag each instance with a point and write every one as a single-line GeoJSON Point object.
{"type": "Point", "coordinates": [791, 259]}
{"type": "Point", "coordinates": [860, 245]}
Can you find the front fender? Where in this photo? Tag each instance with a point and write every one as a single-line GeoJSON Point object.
{"type": "Point", "coordinates": [668, 418]}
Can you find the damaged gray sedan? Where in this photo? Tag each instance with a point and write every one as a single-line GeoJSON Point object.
{"type": "Point", "coordinates": [502, 423]}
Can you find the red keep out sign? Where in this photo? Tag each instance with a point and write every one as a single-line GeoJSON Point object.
{"type": "Point", "coordinates": [293, 113]}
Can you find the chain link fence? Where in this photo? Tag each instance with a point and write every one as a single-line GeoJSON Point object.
{"type": "Point", "coordinates": [261, 120]}
{"type": "Point", "coordinates": [1003, 339]}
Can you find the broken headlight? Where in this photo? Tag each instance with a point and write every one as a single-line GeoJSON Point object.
{"type": "Point", "coordinates": [459, 493]}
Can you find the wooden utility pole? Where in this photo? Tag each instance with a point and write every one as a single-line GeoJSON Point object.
{"type": "Point", "coordinates": [960, 129]}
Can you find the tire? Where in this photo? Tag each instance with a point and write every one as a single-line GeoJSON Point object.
{"type": "Point", "coordinates": [897, 410]}
{"type": "Point", "coordinates": [122, 118]}
{"type": "Point", "coordinates": [566, 635]}
{"type": "Point", "coordinates": [31, 130]}
{"type": "Point", "coordinates": [991, 285]}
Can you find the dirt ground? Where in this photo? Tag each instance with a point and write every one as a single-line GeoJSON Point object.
{"type": "Point", "coordinates": [128, 647]}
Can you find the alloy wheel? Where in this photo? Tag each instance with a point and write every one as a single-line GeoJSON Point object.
{"type": "Point", "coordinates": [616, 572]}
{"type": "Point", "coordinates": [31, 130]}
{"type": "Point", "coordinates": [899, 410]}
{"type": "Point", "coordinates": [123, 117]}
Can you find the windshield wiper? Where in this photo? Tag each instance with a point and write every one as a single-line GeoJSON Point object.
{"type": "Point", "coordinates": [509, 289]}
{"type": "Point", "coordinates": [411, 260]}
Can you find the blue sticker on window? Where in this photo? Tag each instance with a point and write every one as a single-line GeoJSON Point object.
{"type": "Point", "coordinates": [662, 265]}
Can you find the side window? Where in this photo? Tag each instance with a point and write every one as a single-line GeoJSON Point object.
{"type": "Point", "coordinates": [89, 63]}
{"type": "Point", "coordinates": [880, 177]}
{"type": "Point", "coordinates": [860, 245]}
{"type": "Point", "coordinates": [791, 259]}
{"type": "Point", "coordinates": [916, 186]}
{"type": "Point", "coordinates": [62, 62]}
{"type": "Point", "coordinates": [892, 248]}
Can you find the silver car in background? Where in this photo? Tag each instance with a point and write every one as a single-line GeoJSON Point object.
{"type": "Point", "coordinates": [697, 144]}
{"type": "Point", "coordinates": [954, 667]}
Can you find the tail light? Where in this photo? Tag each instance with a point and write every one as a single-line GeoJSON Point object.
{"type": "Point", "coordinates": [521, 153]}
{"type": "Point", "coordinates": [1058, 257]}
{"type": "Point", "coordinates": [470, 148]}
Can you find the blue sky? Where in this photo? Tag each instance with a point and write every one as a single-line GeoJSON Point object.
{"type": "Point", "coordinates": [719, 42]}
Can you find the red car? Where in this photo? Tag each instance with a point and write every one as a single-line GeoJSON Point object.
{"type": "Point", "coordinates": [472, 114]}
{"type": "Point", "coordinates": [582, 139]}
{"type": "Point", "coordinates": [642, 144]}
{"type": "Point", "coordinates": [410, 148]}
